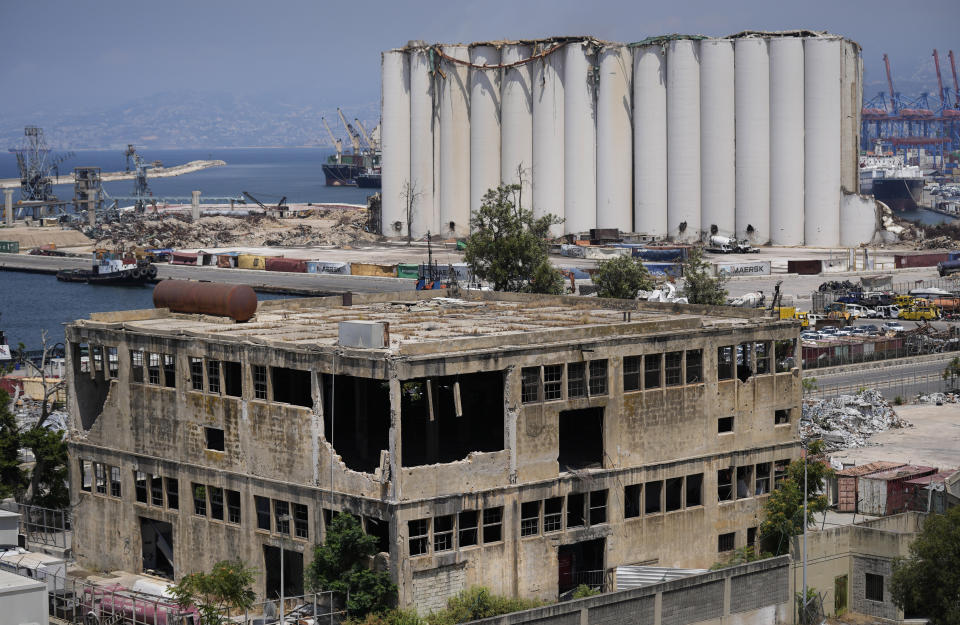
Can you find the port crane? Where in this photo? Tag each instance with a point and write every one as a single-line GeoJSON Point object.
{"type": "Point", "coordinates": [337, 143]}
{"type": "Point", "coordinates": [956, 87]}
{"type": "Point", "coordinates": [354, 135]}
{"type": "Point", "coordinates": [368, 137]}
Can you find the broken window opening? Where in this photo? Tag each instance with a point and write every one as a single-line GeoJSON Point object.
{"type": "Point", "coordinates": [232, 378]}
{"type": "Point", "coordinates": [751, 536]}
{"type": "Point", "coordinates": [673, 368]}
{"type": "Point", "coordinates": [631, 373]}
{"type": "Point", "coordinates": [598, 378]}
{"type": "Point", "coordinates": [115, 489]}
{"type": "Point", "coordinates": [380, 530]}
{"type": "Point", "coordinates": [136, 366]}
{"type": "Point", "coordinates": [724, 424]}
{"type": "Point", "coordinates": [598, 507]}
{"type": "Point", "coordinates": [874, 587]}
{"type": "Point", "coordinates": [530, 518]}
{"type": "Point", "coordinates": [259, 381]}
{"type": "Point", "coordinates": [281, 516]}
{"type": "Point", "coordinates": [785, 355]}
{"type": "Point", "coordinates": [552, 382]}
{"type": "Point", "coordinates": [468, 522]}
{"type": "Point", "coordinates": [292, 386]}
{"type": "Point", "coordinates": [492, 525]}
{"type": "Point", "coordinates": [694, 496]}
{"type": "Point", "coordinates": [725, 485]}
{"type": "Point", "coordinates": [356, 420]}
{"type": "Point", "coordinates": [156, 539]}
{"type": "Point", "coordinates": [725, 362]}
{"type": "Point", "coordinates": [156, 490]}
{"type": "Point", "coordinates": [169, 371]}
{"type": "Point", "coordinates": [726, 542]}
{"type": "Point", "coordinates": [173, 493]}
{"type": "Point", "coordinates": [262, 507]}
{"type": "Point", "coordinates": [153, 368]}
{"type": "Point", "coordinates": [216, 503]}
{"type": "Point", "coordinates": [140, 486]}
{"type": "Point", "coordinates": [781, 416]}
{"type": "Point", "coordinates": [419, 539]}
{"type": "Point", "coordinates": [651, 371]}
{"type": "Point", "coordinates": [576, 379]}
{"type": "Point", "coordinates": [214, 437]}
{"type": "Point", "coordinates": [651, 500]}
{"type": "Point", "coordinates": [744, 370]}
{"type": "Point", "coordinates": [213, 376]}
{"type": "Point", "coordinates": [97, 353]}
{"type": "Point", "coordinates": [694, 366]}
{"type": "Point", "coordinates": [301, 521]}
{"type": "Point", "coordinates": [86, 475]}
{"type": "Point", "coordinates": [631, 500]}
{"type": "Point", "coordinates": [530, 385]}
{"type": "Point", "coordinates": [581, 439]}
{"type": "Point", "coordinates": [780, 472]}
{"type": "Point", "coordinates": [744, 481]}
{"type": "Point", "coordinates": [91, 392]}
{"type": "Point", "coordinates": [113, 362]}
{"type": "Point", "coordinates": [83, 359]}
{"type": "Point", "coordinates": [196, 373]}
{"type": "Point", "coordinates": [576, 503]}
{"type": "Point", "coordinates": [443, 533]}
{"type": "Point", "coordinates": [233, 506]}
{"type": "Point", "coordinates": [763, 478]}
{"type": "Point", "coordinates": [199, 499]}
{"type": "Point", "coordinates": [553, 515]}
{"type": "Point", "coordinates": [433, 431]}
{"type": "Point", "coordinates": [100, 474]}
{"type": "Point", "coordinates": [762, 355]}
{"type": "Point", "coordinates": [674, 494]}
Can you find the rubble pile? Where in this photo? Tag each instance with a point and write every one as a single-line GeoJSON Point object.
{"type": "Point", "coordinates": [848, 420]}
{"type": "Point", "coordinates": [939, 398]}
{"type": "Point", "coordinates": [331, 228]}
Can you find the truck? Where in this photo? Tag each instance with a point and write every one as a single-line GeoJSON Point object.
{"type": "Point", "coordinates": [920, 311]}
{"type": "Point", "coordinates": [727, 245]}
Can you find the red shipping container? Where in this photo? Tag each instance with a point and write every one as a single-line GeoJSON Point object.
{"type": "Point", "coordinates": [184, 258]}
{"type": "Point", "coordinates": [847, 482]}
{"type": "Point", "coordinates": [804, 267]}
{"type": "Point", "coordinates": [294, 265]}
{"type": "Point", "coordinates": [901, 261]}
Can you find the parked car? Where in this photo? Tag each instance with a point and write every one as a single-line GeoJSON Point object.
{"type": "Point", "coordinates": [893, 326]}
{"type": "Point", "coordinates": [810, 336]}
{"type": "Point", "coordinates": [828, 330]}
{"type": "Point", "coordinates": [870, 328]}
{"type": "Point", "coordinates": [888, 312]}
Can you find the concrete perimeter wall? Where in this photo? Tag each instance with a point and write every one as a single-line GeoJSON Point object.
{"type": "Point", "coordinates": [754, 593]}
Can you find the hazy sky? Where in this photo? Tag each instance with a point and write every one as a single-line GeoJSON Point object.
{"type": "Point", "coordinates": [91, 54]}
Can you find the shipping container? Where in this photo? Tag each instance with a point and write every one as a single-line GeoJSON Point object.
{"type": "Point", "coordinates": [184, 258]}
{"type": "Point", "coordinates": [370, 269]}
{"type": "Point", "coordinates": [9, 247]}
{"type": "Point", "coordinates": [804, 267]}
{"type": "Point", "coordinates": [289, 265]}
{"type": "Point", "coordinates": [408, 270]}
{"type": "Point", "coordinates": [672, 270]}
{"type": "Point", "coordinates": [930, 259]}
{"type": "Point", "coordinates": [251, 261]}
{"type": "Point", "coordinates": [848, 479]}
{"type": "Point", "coordinates": [751, 268]}
{"type": "Point", "coordinates": [320, 266]}
{"type": "Point", "coordinates": [918, 491]}
{"type": "Point", "coordinates": [884, 493]}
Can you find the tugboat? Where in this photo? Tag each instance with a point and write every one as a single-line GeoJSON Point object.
{"type": "Point", "coordinates": [112, 269]}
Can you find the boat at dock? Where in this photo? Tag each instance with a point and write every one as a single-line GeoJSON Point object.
{"type": "Point", "coordinates": [114, 269]}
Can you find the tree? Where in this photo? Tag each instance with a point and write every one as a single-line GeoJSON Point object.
{"type": "Point", "coordinates": [621, 277]}
{"type": "Point", "coordinates": [13, 479]}
{"type": "Point", "coordinates": [927, 583]}
{"type": "Point", "coordinates": [783, 510]}
{"type": "Point", "coordinates": [508, 246]}
{"type": "Point", "coordinates": [410, 195]}
{"type": "Point", "coordinates": [699, 287]}
{"type": "Point", "coordinates": [342, 564]}
{"type": "Point", "coordinates": [226, 586]}
{"type": "Point", "coordinates": [952, 371]}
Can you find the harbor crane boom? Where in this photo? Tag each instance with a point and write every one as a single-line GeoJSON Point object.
{"type": "Point", "coordinates": [354, 135]}
{"type": "Point", "coordinates": [337, 143]}
{"type": "Point", "coordinates": [366, 135]}
{"type": "Point", "coordinates": [936, 63]}
{"type": "Point", "coordinates": [893, 96]}
{"type": "Point", "coordinates": [956, 87]}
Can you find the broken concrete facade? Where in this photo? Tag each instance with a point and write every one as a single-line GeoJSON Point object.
{"type": "Point", "coordinates": [523, 443]}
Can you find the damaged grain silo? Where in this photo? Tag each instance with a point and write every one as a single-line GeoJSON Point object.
{"type": "Point", "coordinates": [753, 135]}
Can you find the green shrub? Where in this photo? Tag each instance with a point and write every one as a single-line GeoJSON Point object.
{"type": "Point", "coordinates": [583, 590]}
{"type": "Point", "coordinates": [476, 603]}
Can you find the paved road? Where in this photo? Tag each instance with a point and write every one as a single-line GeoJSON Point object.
{"type": "Point", "coordinates": [898, 379]}
{"type": "Point", "coordinates": [309, 283]}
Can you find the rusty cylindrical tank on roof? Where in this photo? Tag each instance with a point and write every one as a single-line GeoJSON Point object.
{"type": "Point", "coordinates": [237, 301]}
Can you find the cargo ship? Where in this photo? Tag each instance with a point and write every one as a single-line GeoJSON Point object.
{"type": "Point", "coordinates": [889, 180]}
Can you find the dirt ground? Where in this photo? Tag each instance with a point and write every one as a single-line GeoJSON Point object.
{"type": "Point", "coordinates": [933, 440]}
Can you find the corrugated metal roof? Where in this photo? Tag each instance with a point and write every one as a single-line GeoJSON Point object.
{"type": "Point", "coordinates": [926, 479]}
{"type": "Point", "coordinates": [900, 473]}
{"type": "Point", "coordinates": [635, 576]}
{"type": "Point", "coordinates": [872, 467]}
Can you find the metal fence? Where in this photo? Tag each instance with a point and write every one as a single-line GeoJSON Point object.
{"type": "Point", "coordinates": [45, 526]}
{"type": "Point", "coordinates": [78, 602]}
{"type": "Point", "coordinates": [904, 387]}
{"type": "Point", "coordinates": [821, 299]}
{"type": "Point", "coordinates": [851, 351]}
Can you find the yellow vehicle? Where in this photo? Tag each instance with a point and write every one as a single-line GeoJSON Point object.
{"type": "Point", "coordinates": [803, 318]}
{"type": "Point", "coordinates": [918, 313]}
{"type": "Point", "coordinates": [904, 301]}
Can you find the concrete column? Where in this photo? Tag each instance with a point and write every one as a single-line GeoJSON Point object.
{"type": "Point", "coordinates": [8, 206]}
{"type": "Point", "coordinates": [195, 205]}
{"type": "Point", "coordinates": [92, 208]}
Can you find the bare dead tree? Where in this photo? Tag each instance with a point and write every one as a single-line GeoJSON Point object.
{"type": "Point", "coordinates": [410, 195]}
{"type": "Point", "coordinates": [51, 386]}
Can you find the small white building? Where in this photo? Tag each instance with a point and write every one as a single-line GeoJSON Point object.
{"type": "Point", "coordinates": [24, 600]}
{"type": "Point", "coordinates": [9, 529]}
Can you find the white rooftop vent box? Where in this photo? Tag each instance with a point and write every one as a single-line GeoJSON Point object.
{"type": "Point", "coordinates": [370, 334]}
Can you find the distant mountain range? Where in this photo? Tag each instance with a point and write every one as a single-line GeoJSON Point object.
{"type": "Point", "coordinates": [191, 120]}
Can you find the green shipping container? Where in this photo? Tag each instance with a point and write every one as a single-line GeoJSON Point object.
{"type": "Point", "coordinates": [407, 271]}
{"type": "Point", "coordinates": [13, 247]}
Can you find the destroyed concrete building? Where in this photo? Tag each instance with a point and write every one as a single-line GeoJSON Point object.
{"type": "Point", "coordinates": [525, 443]}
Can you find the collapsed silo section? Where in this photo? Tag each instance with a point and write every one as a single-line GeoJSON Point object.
{"type": "Point", "coordinates": [851, 94]}
{"type": "Point", "coordinates": [484, 123]}
{"type": "Point", "coordinates": [752, 85]}
{"type": "Point", "coordinates": [717, 137]}
{"type": "Point", "coordinates": [614, 140]}
{"type": "Point", "coordinates": [650, 140]}
{"type": "Point", "coordinates": [683, 140]}
{"type": "Point", "coordinates": [420, 191]}
{"type": "Point", "coordinates": [516, 120]}
{"type": "Point", "coordinates": [395, 141]}
{"type": "Point", "coordinates": [454, 183]}
{"type": "Point", "coordinates": [548, 143]}
{"type": "Point", "coordinates": [821, 158]}
{"type": "Point", "coordinates": [580, 138]}
{"type": "Point", "coordinates": [786, 141]}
